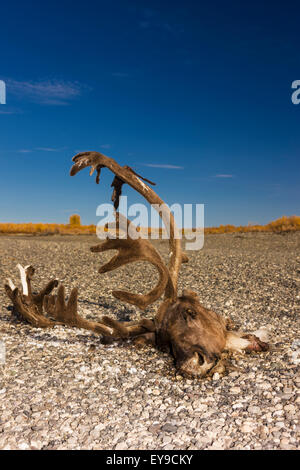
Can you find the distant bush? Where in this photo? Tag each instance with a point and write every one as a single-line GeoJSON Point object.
{"type": "Point", "coordinates": [74, 219]}
{"type": "Point", "coordinates": [285, 224]}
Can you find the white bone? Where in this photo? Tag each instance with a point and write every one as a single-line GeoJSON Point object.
{"type": "Point", "coordinates": [235, 343]}
{"type": "Point", "coordinates": [23, 279]}
{"type": "Point", "coordinates": [205, 367]}
{"type": "Point", "coordinates": [11, 284]}
{"type": "Point", "coordinates": [263, 334]}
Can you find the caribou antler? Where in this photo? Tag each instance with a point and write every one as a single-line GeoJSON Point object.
{"type": "Point", "coordinates": [130, 250]}
{"type": "Point", "coordinates": [33, 307]}
{"type": "Point", "coordinates": [125, 174]}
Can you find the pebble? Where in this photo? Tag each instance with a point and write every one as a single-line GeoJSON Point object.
{"type": "Point", "coordinates": [254, 409]}
{"type": "Point", "coordinates": [247, 427]}
{"type": "Point", "coordinates": [169, 428]}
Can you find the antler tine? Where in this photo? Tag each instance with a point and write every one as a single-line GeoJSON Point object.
{"type": "Point", "coordinates": [27, 304]}
{"type": "Point", "coordinates": [65, 313]}
{"type": "Point", "coordinates": [26, 275]}
{"type": "Point", "coordinates": [126, 175]}
{"type": "Point", "coordinates": [130, 251]}
{"type": "Point", "coordinates": [32, 307]}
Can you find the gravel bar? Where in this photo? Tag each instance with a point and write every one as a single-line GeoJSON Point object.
{"type": "Point", "coordinates": [62, 389]}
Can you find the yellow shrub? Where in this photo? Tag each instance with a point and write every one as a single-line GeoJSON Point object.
{"type": "Point", "coordinates": [74, 219]}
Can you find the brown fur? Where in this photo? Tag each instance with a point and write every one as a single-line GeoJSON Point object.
{"type": "Point", "coordinates": [188, 328]}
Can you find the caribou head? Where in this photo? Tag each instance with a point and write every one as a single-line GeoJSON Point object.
{"type": "Point", "coordinates": [194, 335]}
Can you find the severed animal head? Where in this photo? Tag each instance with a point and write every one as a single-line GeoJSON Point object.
{"type": "Point", "coordinates": [197, 337]}
{"type": "Point", "coordinates": [194, 335]}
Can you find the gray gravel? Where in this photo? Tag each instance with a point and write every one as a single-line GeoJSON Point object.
{"type": "Point", "coordinates": [63, 389]}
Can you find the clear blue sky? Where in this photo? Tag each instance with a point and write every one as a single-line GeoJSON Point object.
{"type": "Point", "coordinates": [194, 95]}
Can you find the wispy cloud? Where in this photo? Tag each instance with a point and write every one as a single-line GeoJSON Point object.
{"type": "Point", "coordinates": [162, 165]}
{"type": "Point", "coordinates": [50, 149]}
{"type": "Point", "coordinates": [223, 176]}
{"type": "Point", "coordinates": [9, 111]}
{"type": "Point", "coordinates": [39, 149]}
{"type": "Point", "coordinates": [105, 146]}
{"type": "Point", "coordinates": [49, 92]}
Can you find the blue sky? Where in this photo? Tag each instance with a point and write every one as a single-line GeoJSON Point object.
{"type": "Point", "coordinates": [194, 95]}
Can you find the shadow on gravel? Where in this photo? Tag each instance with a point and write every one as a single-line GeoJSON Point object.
{"type": "Point", "coordinates": [15, 319]}
{"type": "Point", "coordinates": [123, 314]}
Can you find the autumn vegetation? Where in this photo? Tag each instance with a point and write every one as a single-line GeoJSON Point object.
{"type": "Point", "coordinates": [284, 224]}
{"type": "Point", "coordinates": [74, 220]}
{"type": "Point", "coordinates": [73, 227]}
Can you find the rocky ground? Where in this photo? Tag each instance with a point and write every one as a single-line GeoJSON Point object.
{"type": "Point", "coordinates": [63, 389]}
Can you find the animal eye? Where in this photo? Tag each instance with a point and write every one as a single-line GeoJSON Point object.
{"type": "Point", "coordinates": [191, 313]}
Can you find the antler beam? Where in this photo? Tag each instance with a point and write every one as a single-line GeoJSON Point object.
{"type": "Point", "coordinates": [130, 251]}
{"type": "Point", "coordinates": [125, 174]}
